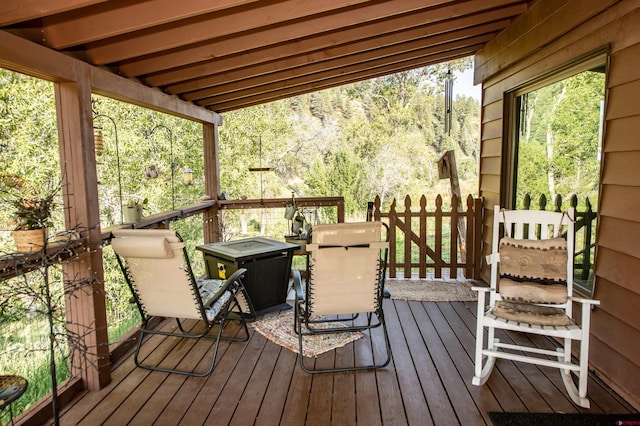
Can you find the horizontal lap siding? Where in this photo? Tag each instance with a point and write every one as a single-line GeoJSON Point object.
{"type": "Point", "coordinates": [618, 264]}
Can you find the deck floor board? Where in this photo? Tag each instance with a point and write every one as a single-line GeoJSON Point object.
{"type": "Point", "coordinates": [428, 380]}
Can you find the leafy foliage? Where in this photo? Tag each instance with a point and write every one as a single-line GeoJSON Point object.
{"type": "Point", "coordinates": [377, 137]}
{"type": "Point", "coordinates": [558, 150]}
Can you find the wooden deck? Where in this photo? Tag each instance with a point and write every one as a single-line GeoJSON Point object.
{"type": "Point", "coordinates": [258, 382]}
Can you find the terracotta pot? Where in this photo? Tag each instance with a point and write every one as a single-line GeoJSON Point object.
{"type": "Point", "coordinates": [30, 240]}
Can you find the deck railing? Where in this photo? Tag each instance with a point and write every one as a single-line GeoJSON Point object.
{"type": "Point", "coordinates": [585, 236]}
{"type": "Point", "coordinates": [439, 240]}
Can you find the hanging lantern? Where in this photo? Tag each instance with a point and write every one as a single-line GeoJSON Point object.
{"type": "Point", "coordinates": [187, 176]}
{"type": "Point", "coordinates": [98, 141]}
{"type": "Point", "coordinates": [151, 172]}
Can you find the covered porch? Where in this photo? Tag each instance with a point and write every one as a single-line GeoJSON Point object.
{"type": "Point", "coordinates": [429, 380]}
{"type": "Point", "coordinates": [259, 382]}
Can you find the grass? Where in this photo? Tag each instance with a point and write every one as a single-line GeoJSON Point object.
{"type": "Point", "coordinates": [24, 352]}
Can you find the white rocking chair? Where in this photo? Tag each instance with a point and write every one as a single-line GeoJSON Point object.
{"type": "Point", "coordinates": [531, 291]}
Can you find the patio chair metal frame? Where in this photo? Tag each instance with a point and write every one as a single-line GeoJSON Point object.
{"type": "Point", "coordinates": [534, 225]}
{"type": "Point", "coordinates": [306, 316]}
{"type": "Point", "coordinates": [225, 300]}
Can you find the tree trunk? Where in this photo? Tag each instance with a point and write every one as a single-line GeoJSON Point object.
{"type": "Point", "coordinates": [550, 140]}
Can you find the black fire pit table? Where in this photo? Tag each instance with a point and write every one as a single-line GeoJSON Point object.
{"type": "Point", "coordinates": [268, 264]}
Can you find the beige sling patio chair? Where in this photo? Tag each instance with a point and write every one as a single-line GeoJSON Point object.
{"type": "Point", "coordinates": [156, 267]}
{"type": "Point", "coordinates": [531, 291]}
{"type": "Point", "coordinates": [346, 267]}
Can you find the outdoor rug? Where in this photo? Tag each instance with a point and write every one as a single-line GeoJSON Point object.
{"type": "Point", "coordinates": [430, 290]}
{"type": "Point", "coordinates": [559, 419]}
{"type": "Point", "coordinates": [279, 330]}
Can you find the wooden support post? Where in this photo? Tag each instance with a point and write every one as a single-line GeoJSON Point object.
{"type": "Point", "coordinates": [85, 308]}
{"type": "Point", "coordinates": [211, 217]}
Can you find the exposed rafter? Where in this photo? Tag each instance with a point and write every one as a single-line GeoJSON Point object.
{"type": "Point", "coordinates": [230, 54]}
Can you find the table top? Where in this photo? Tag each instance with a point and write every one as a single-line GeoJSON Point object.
{"type": "Point", "coordinates": [11, 388]}
{"type": "Point", "coordinates": [247, 248]}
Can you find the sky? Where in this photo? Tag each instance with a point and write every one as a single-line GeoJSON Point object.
{"type": "Point", "coordinates": [463, 85]}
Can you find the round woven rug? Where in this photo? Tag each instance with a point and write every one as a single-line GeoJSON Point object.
{"type": "Point", "coordinates": [279, 330]}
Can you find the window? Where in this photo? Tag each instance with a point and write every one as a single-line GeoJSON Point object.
{"type": "Point", "coordinates": [554, 154]}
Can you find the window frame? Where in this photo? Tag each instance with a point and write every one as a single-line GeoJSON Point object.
{"type": "Point", "coordinates": [596, 59]}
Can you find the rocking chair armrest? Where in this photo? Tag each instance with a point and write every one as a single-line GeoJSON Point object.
{"type": "Point", "coordinates": [297, 283]}
{"type": "Point", "coordinates": [584, 300]}
{"type": "Point", "coordinates": [482, 289]}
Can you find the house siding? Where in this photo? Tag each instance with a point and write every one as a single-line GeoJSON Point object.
{"type": "Point", "coordinates": [572, 29]}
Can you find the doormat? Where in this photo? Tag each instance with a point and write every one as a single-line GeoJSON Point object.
{"type": "Point", "coordinates": [430, 290]}
{"type": "Point", "coordinates": [558, 419]}
{"type": "Point", "coordinates": [279, 330]}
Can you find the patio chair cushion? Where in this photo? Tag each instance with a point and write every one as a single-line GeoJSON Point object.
{"type": "Point", "coordinates": [543, 261]}
{"type": "Point", "coordinates": [209, 289]}
{"type": "Point", "coordinates": [533, 271]}
{"type": "Point", "coordinates": [532, 292]}
{"type": "Point", "coordinates": [145, 248]}
{"type": "Point", "coordinates": [531, 314]}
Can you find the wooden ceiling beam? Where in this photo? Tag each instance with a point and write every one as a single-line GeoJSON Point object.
{"type": "Point", "coordinates": [348, 71]}
{"type": "Point", "coordinates": [261, 61]}
{"type": "Point", "coordinates": [116, 87]}
{"type": "Point", "coordinates": [13, 11]}
{"type": "Point", "coordinates": [114, 18]}
{"type": "Point", "coordinates": [236, 21]}
{"type": "Point", "coordinates": [273, 44]}
{"type": "Point", "coordinates": [326, 58]}
{"type": "Point", "coordinates": [341, 80]}
{"type": "Point", "coordinates": [329, 30]}
{"type": "Point", "coordinates": [426, 45]}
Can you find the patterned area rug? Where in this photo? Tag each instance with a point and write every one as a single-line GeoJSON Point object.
{"type": "Point", "coordinates": [430, 290]}
{"type": "Point", "coordinates": [279, 330]}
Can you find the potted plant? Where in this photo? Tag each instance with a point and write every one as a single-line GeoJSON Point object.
{"type": "Point", "coordinates": [31, 212]}
{"type": "Point", "coordinates": [132, 211]}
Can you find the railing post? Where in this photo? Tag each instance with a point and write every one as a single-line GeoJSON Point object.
{"type": "Point", "coordinates": [557, 202]}
{"type": "Point", "coordinates": [438, 239]}
{"type": "Point", "coordinates": [392, 239]}
{"type": "Point", "coordinates": [422, 246]}
{"type": "Point", "coordinates": [588, 218]}
{"type": "Point", "coordinates": [469, 238]}
{"type": "Point", "coordinates": [340, 212]}
{"type": "Point", "coordinates": [407, 237]}
{"type": "Point", "coordinates": [453, 239]}
{"type": "Point", "coordinates": [376, 210]}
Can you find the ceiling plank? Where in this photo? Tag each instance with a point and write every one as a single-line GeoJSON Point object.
{"type": "Point", "coordinates": [291, 40]}
{"type": "Point", "coordinates": [380, 46]}
{"type": "Point", "coordinates": [228, 54]}
{"type": "Point", "coordinates": [390, 62]}
{"type": "Point", "coordinates": [13, 11]}
{"type": "Point", "coordinates": [341, 80]}
{"type": "Point", "coordinates": [433, 44]}
{"type": "Point", "coordinates": [194, 30]}
{"type": "Point", "coordinates": [112, 19]}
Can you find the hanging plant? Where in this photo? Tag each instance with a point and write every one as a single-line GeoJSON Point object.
{"type": "Point", "coordinates": [31, 212]}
